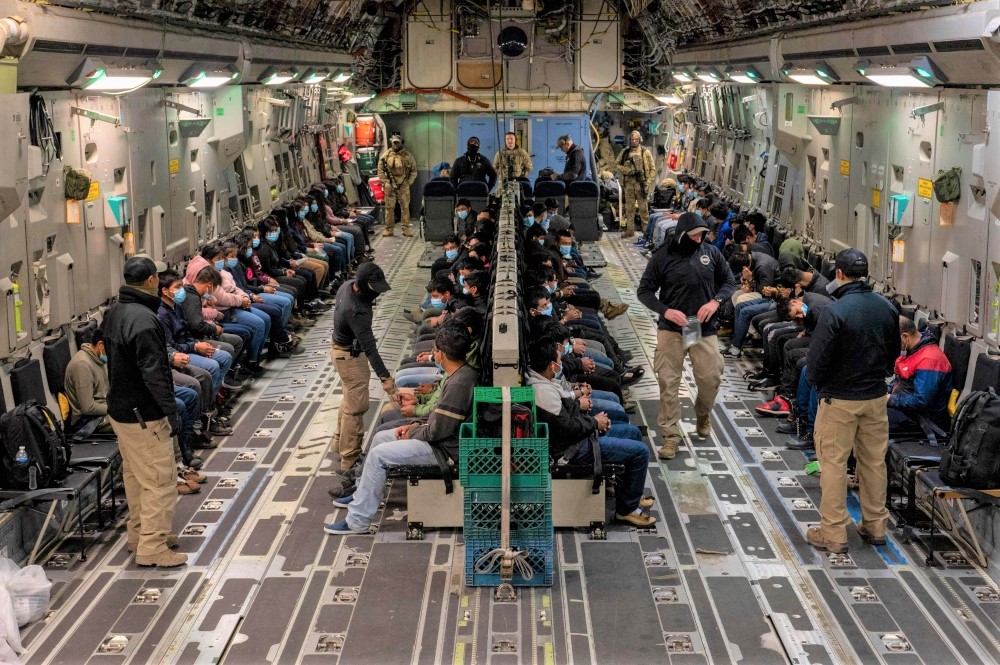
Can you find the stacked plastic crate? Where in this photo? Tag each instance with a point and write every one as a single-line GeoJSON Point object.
{"type": "Point", "coordinates": [480, 472]}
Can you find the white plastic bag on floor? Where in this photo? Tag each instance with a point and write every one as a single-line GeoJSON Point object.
{"type": "Point", "coordinates": [10, 636]}
{"type": "Point", "coordinates": [29, 589]}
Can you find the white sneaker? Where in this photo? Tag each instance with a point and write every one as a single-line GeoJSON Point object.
{"type": "Point", "coordinates": [733, 352]}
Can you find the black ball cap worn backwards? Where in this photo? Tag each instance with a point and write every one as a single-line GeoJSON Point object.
{"type": "Point", "coordinates": [372, 275]}
{"type": "Point", "coordinates": [852, 262]}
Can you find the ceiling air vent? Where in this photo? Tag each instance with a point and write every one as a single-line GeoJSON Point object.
{"type": "Point", "coordinates": [51, 46]}
{"type": "Point", "coordinates": [873, 51]}
{"type": "Point", "coordinates": [920, 47]}
{"type": "Point", "coordinates": [959, 45]}
{"type": "Point", "coordinates": [820, 55]}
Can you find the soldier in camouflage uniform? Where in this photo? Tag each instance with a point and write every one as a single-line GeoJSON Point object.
{"type": "Point", "coordinates": [397, 170]}
{"type": "Point", "coordinates": [511, 160]}
{"type": "Point", "coordinates": [638, 171]}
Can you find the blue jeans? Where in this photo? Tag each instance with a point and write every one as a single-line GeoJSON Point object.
{"type": "Point", "coordinates": [276, 330]}
{"type": "Point", "coordinates": [604, 395]}
{"type": "Point", "coordinates": [348, 240]}
{"type": "Point", "coordinates": [745, 312]}
{"type": "Point", "coordinates": [217, 366]}
{"type": "Point", "coordinates": [411, 378]}
{"type": "Point", "coordinates": [189, 407]}
{"type": "Point", "coordinates": [283, 302]}
{"type": "Point", "coordinates": [244, 333]}
{"type": "Point", "coordinates": [624, 431]}
{"type": "Point", "coordinates": [633, 454]}
{"type": "Point", "coordinates": [807, 399]}
{"type": "Point", "coordinates": [614, 410]}
{"type": "Point", "coordinates": [385, 451]}
{"type": "Point", "coordinates": [258, 330]}
{"type": "Point", "coordinates": [336, 253]}
{"type": "Point", "coordinates": [600, 359]}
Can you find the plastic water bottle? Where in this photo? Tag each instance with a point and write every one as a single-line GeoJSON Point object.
{"type": "Point", "coordinates": [22, 456]}
{"type": "Point", "coordinates": [691, 333]}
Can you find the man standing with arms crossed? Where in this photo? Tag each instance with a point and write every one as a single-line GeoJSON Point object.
{"type": "Point", "coordinates": [397, 170]}
{"type": "Point", "coordinates": [686, 278]}
{"type": "Point", "coordinates": [638, 171]}
{"type": "Point", "coordinates": [853, 349]}
{"type": "Point", "coordinates": [353, 349]}
{"type": "Point", "coordinates": [511, 162]}
{"type": "Point", "coordinates": [143, 413]}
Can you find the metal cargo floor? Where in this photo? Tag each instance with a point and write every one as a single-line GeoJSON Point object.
{"type": "Point", "coordinates": [726, 575]}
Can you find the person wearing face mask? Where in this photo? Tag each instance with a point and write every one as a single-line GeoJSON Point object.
{"type": "Point", "coordinates": [686, 279]}
{"type": "Point", "coordinates": [921, 385]}
{"type": "Point", "coordinates": [573, 432]}
{"type": "Point", "coordinates": [353, 349]}
{"type": "Point", "coordinates": [638, 171]}
{"type": "Point", "coordinates": [511, 162]}
{"type": "Point", "coordinates": [465, 215]}
{"type": "Point", "coordinates": [472, 167]}
{"type": "Point", "coordinates": [556, 221]}
{"type": "Point", "coordinates": [143, 412]}
{"type": "Point", "coordinates": [433, 441]}
{"type": "Point", "coordinates": [397, 170]}
{"type": "Point", "coordinates": [87, 387]}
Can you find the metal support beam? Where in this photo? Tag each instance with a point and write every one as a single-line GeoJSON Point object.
{"type": "Point", "coordinates": [921, 111]}
{"type": "Point", "coordinates": [180, 107]}
{"type": "Point", "coordinates": [840, 103]}
{"type": "Point", "coordinates": [95, 115]}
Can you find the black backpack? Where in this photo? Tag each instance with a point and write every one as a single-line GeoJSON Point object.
{"type": "Point", "coordinates": [972, 458]}
{"type": "Point", "coordinates": [35, 428]}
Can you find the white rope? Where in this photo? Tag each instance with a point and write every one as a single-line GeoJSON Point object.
{"type": "Point", "coordinates": [490, 561]}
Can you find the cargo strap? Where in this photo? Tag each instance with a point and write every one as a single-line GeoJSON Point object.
{"type": "Point", "coordinates": [507, 563]}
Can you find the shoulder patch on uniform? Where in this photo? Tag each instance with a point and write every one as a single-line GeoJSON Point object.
{"type": "Point", "coordinates": [705, 260]}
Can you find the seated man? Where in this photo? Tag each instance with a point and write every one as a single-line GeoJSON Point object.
{"type": "Point", "coordinates": [922, 381]}
{"type": "Point", "coordinates": [572, 432]}
{"type": "Point", "coordinates": [418, 443]}
{"type": "Point", "coordinates": [759, 273]}
{"type": "Point", "coordinates": [87, 386]}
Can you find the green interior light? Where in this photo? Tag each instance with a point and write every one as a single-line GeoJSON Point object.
{"type": "Point", "coordinates": [820, 72]}
{"type": "Point", "coordinates": [923, 72]}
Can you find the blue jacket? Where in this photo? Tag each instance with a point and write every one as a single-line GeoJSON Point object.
{"type": "Point", "coordinates": [175, 329]}
{"type": "Point", "coordinates": [922, 384]}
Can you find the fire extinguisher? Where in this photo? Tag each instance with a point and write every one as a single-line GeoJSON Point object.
{"type": "Point", "coordinates": [672, 160]}
{"type": "Point", "coordinates": [17, 309]}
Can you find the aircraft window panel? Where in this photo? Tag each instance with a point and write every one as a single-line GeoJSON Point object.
{"type": "Point", "coordinates": [172, 136]}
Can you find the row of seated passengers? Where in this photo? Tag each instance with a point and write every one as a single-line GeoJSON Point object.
{"type": "Point", "coordinates": [576, 367]}
{"type": "Point", "coordinates": [238, 301]}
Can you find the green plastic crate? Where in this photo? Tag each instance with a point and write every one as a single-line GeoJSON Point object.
{"type": "Point", "coordinates": [489, 395]}
{"type": "Point", "coordinates": [530, 512]}
{"type": "Point", "coordinates": [480, 460]}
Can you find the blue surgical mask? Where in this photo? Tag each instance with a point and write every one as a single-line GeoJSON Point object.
{"type": "Point", "coordinates": [550, 288]}
{"type": "Point", "coordinates": [206, 296]}
{"type": "Point", "coordinates": [314, 207]}
{"type": "Point", "coordinates": [545, 224]}
{"type": "Point", "coordinates": [179, 296]}
{"type": "Point", "coordinates": [567, 348]}
{"type": "Point", "coordinates": [461, 279]}
{"type": "Point", "coordinates": [805, 309]}
{"type": "Point", "coordinates": [248, 252]}
{"type": "Point", "coordinates": [255, 243]}
{"type": "Point", "coordinates": [528, 221]}
{"type": "Point", "coordinates": [220, 264]}
{"type": "Point", "coordinates": [439, 366]}
{"type": "Point", "coordinates": [233, 262]}
{"type": "Point", "coordinates": [465, 290]}
{"type": "Point", "coordinates": [462, 214]}
{"type": "Point", "coordinates": [437, 303]}
{"type": "Point", "coordinates": [104, 358]}
{"type": "Point", "coordinates": [273, 236]}
{"type": "Point", "coordinates": [565, 250]}
{"type": "Point", "coordinates": [547, 311]}
{"type": "Point", "coordinates": [451, 254]}
{"type": "Point", "coordinates": [326, 192]}
{"type": "Point", "coordinates": [541, 241]}
{"type": "Point", "coordinates": [302, 213]}
{"type": "Point", "coordinates": [559, 372]}
{"type": "Point", "coordinates": [340, 189]}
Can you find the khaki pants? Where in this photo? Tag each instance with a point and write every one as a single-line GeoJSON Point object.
{"type": "Point", "coordinates": [319, 267]}
{"type": "Point", "coordinates": [842, 426]}
{"type": "Point", "coordinates": [668, 363]}
{"type": "Point", "coordinates": [403, 197]}
{"type": "Point", "coordinates": [634, 198]}
{"type": "Point", "coordinates": [150, 482]}
{"type": "Point", "coordinates": [354, 376]}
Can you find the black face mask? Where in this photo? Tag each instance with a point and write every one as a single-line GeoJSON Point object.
{"type": "Point", "coordinates": [367, 294]}
{"type": "Point", "coordinates": [472, 149]}
{"type": "Point", "coordinates": [688, 245]}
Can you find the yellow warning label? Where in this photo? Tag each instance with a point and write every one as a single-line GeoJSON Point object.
{"type": "Point", "coordinates": [898, 251]}
{"type": "Point", "coordinates": [175, 166]}
{"type": "Point", "coordinates": [876, 198]}
{"type": "Point", "coordinates": [95, 191]}
{"type": "Point", "coordinates": [925, 188]}
{"type": "Point", "coordinates": [845, 167]}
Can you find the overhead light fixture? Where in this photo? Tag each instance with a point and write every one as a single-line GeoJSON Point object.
{"type": "Point", "coordinates": [819, 74]}
{"type": "Point", "coordinates": [358, 99]}
{"type": "Point", "coordinates": [709, 75]}
{"type": "Point", "coordinates": [668, 99]}
{"type": "Point", "coordinates": [276, 76]}
{"type": "Point", "coordinates": [200, 75]}
{"type": "Point", "coordinates": [313, 76]}
{"type": "Point", "coordinates": [343, 77]}
{"type": "Point", "coordinates": [94, 74]}
{"type": "Point", "coordinates": [683, 76]}
{"type": "Point", "coordinates": [748, 74]}
{"type": "Point", "coordinates": [920, 72]}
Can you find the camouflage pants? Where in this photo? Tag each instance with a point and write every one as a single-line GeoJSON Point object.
{"type": "Point", "coordinates": [403, 197]}
{"type": "Point", "coordinates": [633, 198]}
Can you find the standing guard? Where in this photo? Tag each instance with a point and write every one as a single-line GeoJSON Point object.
{"type": "Point", "coordinates": [510, 161]}
{"type": "Point", "coordinates": [638, 171]}
{"type": "Point", "coordinates": [397, 170]}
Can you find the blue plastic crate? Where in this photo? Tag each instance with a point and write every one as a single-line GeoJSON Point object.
{"type": "Point", "coordinates": [480, 460]}
{"type": "Point", "coordinates": [541, 558]}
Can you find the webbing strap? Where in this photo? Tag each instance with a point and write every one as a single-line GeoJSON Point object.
{"type": "Point", "coordinates": [507, 565]}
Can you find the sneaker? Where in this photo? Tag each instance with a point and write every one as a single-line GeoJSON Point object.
{"type": "Point", "coordinates": [632, 375]}
{"type": "Point", "coordinates": [816, 539]}
{"type": "Point", "coordinates": [732, 352]}
{"type": "Point", "coordinates": [704, 426]}
{"type": "Point", "coordinates": [626, 356]}
{"type": "Point", "coordinates": [639, 520]}
{"type": "Point", "coordinates": [869, 537]}
{"type": "Point", "coordinates": [778, 406]}
{"type": "Point", "coordinates": [233, 386]}
{"type": "Point", "coordinates": [201, 443]}
{"type": "Point", "coordinates": [669, 448]}
{"type": "Point", "coordinates": [172, 542]}
{"type": "Point", "coordinates": [343, 501]}
{"type": "Point", "coordinates": [764, 384]}
{"type": "Point", "coordinates": [641, 241]}
{"type": "Point", "coordinates": [166, 559]}
{"type": "Point", "coordinates": [348, 487]}
{"type": "Point", "coordinates": [804, 442]}
{"type": "Point", "coordinates": [194, 462]}
{"type": "Point", "coordinates": [342, 528]}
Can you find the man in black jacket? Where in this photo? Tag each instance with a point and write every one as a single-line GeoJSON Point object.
{"type": "Point", "coordinates": [854, 348]}
{"type": "Point", "coordinates": [692, 279]}
{"type": "Point", "coordinates": [473, 167]}
{"type": "Point", "coordinates": [143, 413]}
{"type": "Point", "coordinates": [576, 161]}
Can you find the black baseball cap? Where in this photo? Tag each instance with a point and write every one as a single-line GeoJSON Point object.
{"type": "Point", "coordinates": [472, 139]}
{"type": "Point", "coordinates": [372, 275]}
{"type": "Point", "coordinates": [689, 222]}
{"type": "Point", "coordinates": [852, 262]}
{"type": "Point", "coordinates": [138, 269]}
